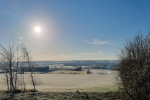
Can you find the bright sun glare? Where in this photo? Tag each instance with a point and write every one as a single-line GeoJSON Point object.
{"type": "Point", "coordinates": [37, 29]}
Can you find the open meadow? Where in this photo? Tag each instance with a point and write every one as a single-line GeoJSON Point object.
{"type": "Point", "coordinates": [71, 81]}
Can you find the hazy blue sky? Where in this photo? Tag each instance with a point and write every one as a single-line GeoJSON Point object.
{"type": "Point", "coordinates": [73, 29]}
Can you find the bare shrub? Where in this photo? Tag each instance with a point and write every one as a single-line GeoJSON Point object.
{"type": "Point", "coordinates": [134, 67]}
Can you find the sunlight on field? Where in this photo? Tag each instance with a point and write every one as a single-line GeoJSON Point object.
{"type": "Point", "coordinates": [98, 81]}
{"type": "Point", "coordinates": [67, 72]}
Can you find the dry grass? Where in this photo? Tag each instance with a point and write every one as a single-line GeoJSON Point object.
{"type": "Point", "coordinates": [98, 81]}
{"type": "Point", "coordinates": [66, 96]}
{"type": "Point", "coordinates": [68, 72]}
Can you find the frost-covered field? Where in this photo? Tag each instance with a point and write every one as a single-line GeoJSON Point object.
{"type": "Point", "coordinates": [64, 81]}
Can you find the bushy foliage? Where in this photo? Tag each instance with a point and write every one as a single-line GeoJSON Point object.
{"type": "Point", "coordinates": [134, 67]}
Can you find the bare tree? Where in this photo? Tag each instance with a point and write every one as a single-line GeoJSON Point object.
{"type": "Point", "coordinates": [22, 81]}
{"type": "Point", "coordinates": [134, 67]}
{"type": "Point", "coordinates": [4, 67]}
{"type": "Point", "coordinates": [31, 65]}
{"type": "Point", "coordinates": [12, 59]}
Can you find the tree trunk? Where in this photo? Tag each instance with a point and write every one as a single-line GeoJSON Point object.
{"type": "Point", "coordinates": [33, 83]}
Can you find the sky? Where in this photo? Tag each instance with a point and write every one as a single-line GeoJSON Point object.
{"type": "Point", "coordinates": [73, 29]}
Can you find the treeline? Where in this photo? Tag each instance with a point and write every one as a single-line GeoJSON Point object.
{"type": "Point", "coordinates": [88, 64]}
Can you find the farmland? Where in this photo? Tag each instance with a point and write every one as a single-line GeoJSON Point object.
{"type": "Point", "coordinates": [71, 81]}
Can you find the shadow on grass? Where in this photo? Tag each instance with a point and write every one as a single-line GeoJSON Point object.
{"type": "Point", "coordinates": [18, 91]}
{"type": "Point", "coordinates": [118, 95]}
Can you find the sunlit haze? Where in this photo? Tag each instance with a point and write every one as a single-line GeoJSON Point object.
{"type": "Point", "coordinates": [73, 29]}
{"type": "Point", "coordinates": [37, 29]}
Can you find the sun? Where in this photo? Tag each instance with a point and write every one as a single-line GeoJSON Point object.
{"type": "Point", "coordinates": [37, 29]}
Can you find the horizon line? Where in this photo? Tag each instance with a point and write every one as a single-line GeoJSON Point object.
{"type": "Point", "coordinates": [66, 60]}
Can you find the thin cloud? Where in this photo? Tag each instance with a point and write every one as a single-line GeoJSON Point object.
{"type": "Point", "coordinates": [70, 55]}
{"type": "Point", "coordinates": [87, 41]}
{"type": "Point", "coordinates": [100, 52]}
{"type": "Point", "coordinates": [97, 42]}
{"type": "Point", "coordinates": [58, 56]}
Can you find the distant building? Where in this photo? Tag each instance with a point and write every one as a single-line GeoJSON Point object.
{"type": "Point", "coordinates": [78, 69]}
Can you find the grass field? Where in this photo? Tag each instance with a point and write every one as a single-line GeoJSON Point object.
{"type": "Point", "coordinates": [71, 81]}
